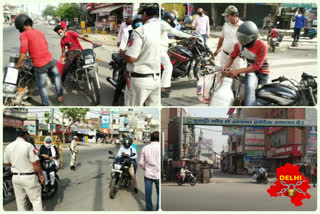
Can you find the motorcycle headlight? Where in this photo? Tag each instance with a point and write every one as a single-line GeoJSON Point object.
{"type": "Point", "coordinates": [88, 61]}
{"type": "Point", "coordinates": [117, 166]}
{"type": "Point", "coordinates": [8, 88]}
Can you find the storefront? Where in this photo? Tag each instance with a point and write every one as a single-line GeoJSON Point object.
{"type": "Point", "coordinates": [286, 154]}
{"type": "Point", "coordinates": [9, 128]}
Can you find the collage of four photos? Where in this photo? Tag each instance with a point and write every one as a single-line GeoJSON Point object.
{"type": "Point", "coordinates": [159, 106]}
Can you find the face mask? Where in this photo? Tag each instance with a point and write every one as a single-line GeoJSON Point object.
{"type": "Point", "coordinates": [200, 13]}
{"type": "Point", "coordinates": [138, 24]}
{"type": "Point", "coordinates": [48, 145]}
{"type": "Point", "coordinates": [299, 15]}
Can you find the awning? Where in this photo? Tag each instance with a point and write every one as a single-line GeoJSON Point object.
{"type": "Point", "coordinates": [281, 157]}
{"type": "Point", "coordinates": [106, 10]}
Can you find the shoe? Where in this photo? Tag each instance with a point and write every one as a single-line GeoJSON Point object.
{"type": "Point", "coordinates": [136, 190]}
{"type": "Point", "coordinates": [72, 167]}
{"type": "Point", "coordinates": [164, 94]}
{"type": "Point", "coordinates": [60, 99]}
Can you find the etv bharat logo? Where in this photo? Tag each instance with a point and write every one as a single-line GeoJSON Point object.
{"type": "Point", "coordinates": [290, 183]}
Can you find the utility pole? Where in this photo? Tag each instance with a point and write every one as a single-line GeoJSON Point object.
{"type": "Point", "coordinates": [181, 133]}
{"type": "Point", "coordinates": [52, 119]}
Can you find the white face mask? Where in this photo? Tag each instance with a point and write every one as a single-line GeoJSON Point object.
{"type": "Point", "coordinates": [48, 145]}
{"type": "Point", "coordinates": [299, 15]}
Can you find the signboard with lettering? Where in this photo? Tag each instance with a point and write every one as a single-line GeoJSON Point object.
{"type": "Point", "coordinates": [232, 130]}
{"type": "Point", "coordinates": [31, 126]}
{"type": "Point", "coordinates": [312, 140]}
{"type": "Point", "coordinates": [246, 122]}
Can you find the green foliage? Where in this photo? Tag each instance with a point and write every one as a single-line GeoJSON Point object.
{"type": "Point", "coordinates": [47, 116]}
{"type": "Point", "coordinates": [49, 11]}
{"type": "Point", "coordinates": [68, 10]}
{"type": "Point", "coordinates": [73, 115]}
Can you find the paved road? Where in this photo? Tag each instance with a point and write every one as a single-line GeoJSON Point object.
{"type": "Point", "coordinates": [87, 189]}
{"type": "Point", "coordinates": [75, 96]}
{"type": "Point", "coordinates": [229, 193]}
{"type": "Point", "coordinates": [288, 62]}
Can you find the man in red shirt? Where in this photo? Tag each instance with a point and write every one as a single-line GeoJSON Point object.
{"type": "Point", "coordinates": [34, 42]}
{"type": "Point", "coordinates": [74, 50]}
{"type": "Point", "coordinates": [255, 52]}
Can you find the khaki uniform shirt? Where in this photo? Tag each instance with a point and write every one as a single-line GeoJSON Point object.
{"type": "Point", "coordinates": [74, 146]}
{"type": "Point", "coordinates": [21, 155]}
{"type": "Point", "coordinates": [144, 45]}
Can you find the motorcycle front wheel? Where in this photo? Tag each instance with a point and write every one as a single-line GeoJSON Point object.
{"type": "Point", "coordinates": [113, 189]}
{"type": "Point", "coordinates": [94, 89]}
{"type": "Point", "coordinates": [192, 181]}
{"type": "Point", "coordinates": [52, 192]}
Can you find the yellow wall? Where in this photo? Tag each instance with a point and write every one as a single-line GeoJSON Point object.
{"type": "Point", "coordinates": [175, 6]}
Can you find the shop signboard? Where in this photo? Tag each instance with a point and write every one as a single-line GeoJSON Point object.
{"type": "Point", "coordinates": [312, 140]}
{"type": "Point", "coordinates": [270, 130]}
{"type": "Point", "coordinates": [254, 148]}
{"type": "Point", "coordinates": [254, 136]}
{"type": "Point", "coordinates": [31, 125]}
{"type": "Point", "coordinates": [105, 121]}
{"type": "Point", "coordinates": [232, 130]}
{"type": "Point", "coordinates": [247, 122]}
{"type": "Point", "coordinates": [294, 150]}
{"type": "Point", "coordinates": [12, 122]}
{"type": "Point", "coordinates": [255, 153]}
{"type": "Point", "coordinates": [127, 11]}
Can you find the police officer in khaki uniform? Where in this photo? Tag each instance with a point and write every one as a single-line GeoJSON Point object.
{"type": "Point", "coordinates": [74, 152]}
{"type": "Point", "coordinates": [143, 61]}
{"type": "Point", "coordinates": [25, 165]}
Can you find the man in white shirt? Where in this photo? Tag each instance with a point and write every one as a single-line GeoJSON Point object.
{"type": "Point", "coordinates": [124, 27]}
{"type": "Point", "coordinates": [168, 27]}
{"type": "Point", "coordinates": [228, 38]}
{"type": "Point", "coordinates": [202, 25]}
{"type": "Point", "coordinates": [143, 61]}
{"type": "Point", "coordinates": [127, 151]}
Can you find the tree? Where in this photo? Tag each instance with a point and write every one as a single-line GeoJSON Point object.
{"type": "Point", "coordinates": [70, 116]}
{"type": "Point", "coordinates": [68, 11]}
{"type": "Point", "coordinates": [49, 11]}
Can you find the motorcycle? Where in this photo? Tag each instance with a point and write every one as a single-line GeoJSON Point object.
{"type": "Point", "coordinates": [189, 178]}
{"type": "Point", "coordinates": [274, 39]}
{"type": "Point", "coordinates": [84, 71]}
{"type": "Point", "coordinates": [281, 92]}
{"type": "Point", "coordinates": [309, 33]}
{"type": "Point", "coordinates": [18, 84]}
{"type": "Point", "coordinates": [8, 191]}
{"type": "Point", "coordinates": [190, 56]}
{"type": "Point", "coordinates": [118, 79]}
{"type": "Point", "coordinates": [260, 179]}
{"type": "Point", "coordinates": [120, 177]}
{"type": "Point", "coordinates": [48, 192]}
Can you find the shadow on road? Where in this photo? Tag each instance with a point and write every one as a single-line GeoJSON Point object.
{"type": "Point", "coordinates": [183, 84]}
{"type": "Point", "coordinates": [50, 204]}
{"type": "Point", "coordinates": [139, 197]}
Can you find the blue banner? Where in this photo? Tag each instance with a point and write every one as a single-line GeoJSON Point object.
{"type": "Point", "coordinates": [105, 121]}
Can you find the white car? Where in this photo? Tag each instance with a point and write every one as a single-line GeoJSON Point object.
{"type": "Point", "coordinates": [52, 22]}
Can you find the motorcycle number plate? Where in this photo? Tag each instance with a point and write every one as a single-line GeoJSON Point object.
{"type": "Point", "coordinates": [274, 39]}
{"type": "Point", "coordinates": [9, 95]}
{"type": "Point", "coordinates": [11, 76]}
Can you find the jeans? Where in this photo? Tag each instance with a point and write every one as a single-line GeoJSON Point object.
{"type": "Point", "coordinates": [148, 192]}
{"type": "Point", "coordinates": [204, 36]}
{"type": "Point", "coordinates": [296, 34]}
{"type": "Point", "coordinates": [314, 180]}
{"type": "Point", "coordinates": [135, 165]}
{"type": "Point", "coordinates": [71, 57]}
{"type": "Point", "coordinates": [252, 80]}
{"type": "Point", "coordinates": [41, 79]}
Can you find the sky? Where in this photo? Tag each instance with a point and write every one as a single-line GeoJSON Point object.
{"type": "Point", "coordinates": [211, 132]}
{"type": "Point", "coordinates": [37, 8]}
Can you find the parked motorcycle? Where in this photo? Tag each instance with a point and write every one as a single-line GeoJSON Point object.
{"type": "Point", "coordinates": [85, 72]}
{"type": "Point", "coordinates": [260, 179]}
{"type": "Point", "coordinates": [189, 178]}
{"type": "Point", "coordinates": [8, 191]}
{"type": "Point", "coordinates": [48, 192]}
{"type": "Point", "coordinates": [118, 79]}
{"type": "Point", "coordinates": [190, 56]}
{"type": "Point", "coordinates": [281, 92]}
{"type": "Point", "coordinates": [120, 177]}
{"type": "Point", "coordinates": [309, 33]}
{"type": "Point", "coordinates": [18, 84]}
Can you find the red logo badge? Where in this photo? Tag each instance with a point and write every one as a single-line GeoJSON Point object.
{"type": "Point", "coordinates": [131, 42]}
{"type": "Point", "coordinates": [290, 182]}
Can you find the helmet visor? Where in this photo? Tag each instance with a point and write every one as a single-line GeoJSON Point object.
{"type": "Point", "coordinates": [244, 39]}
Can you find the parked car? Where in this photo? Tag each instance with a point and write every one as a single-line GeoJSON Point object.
{"type": "Point", "coordinates": [52, 22]}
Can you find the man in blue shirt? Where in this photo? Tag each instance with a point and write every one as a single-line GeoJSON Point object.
{"type": "Point", "coordinates": [300, 22]}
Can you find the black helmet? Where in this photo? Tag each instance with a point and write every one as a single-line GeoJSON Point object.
{"type": "Point", "coordinates": [187, 19]}
{"type": "Point", "coordinates": [21, 20]}
{"type": "Point", "coordinates": [169, 18]}
{"type": "Point", "coordinates": [247, 33]}
{"type": "Point", "coordinates": [127, 140]}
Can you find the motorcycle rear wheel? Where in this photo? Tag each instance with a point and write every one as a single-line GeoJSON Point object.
{"type": "Point", "coordinates": [192, 181]}
{"type": "Point", "coordinates": [94, 90]}
{"type": "Point", "coordinates": [179, 182]}
{"type": "Point", "coordinates": [51, 194]}
{"type": "Point", "coordinates": [112, 188]}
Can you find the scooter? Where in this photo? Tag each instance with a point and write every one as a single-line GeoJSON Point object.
{"type": "Point", "coordinates": [309, 33]}
{"type": "Point", "coordinates": [274, 38]}
{"type": "Point", "coordinates": [189, 178]}
{"type": "Point", "coordinates": [48, 192]}
{"type": "Point", "coordinates": [260, 179]}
